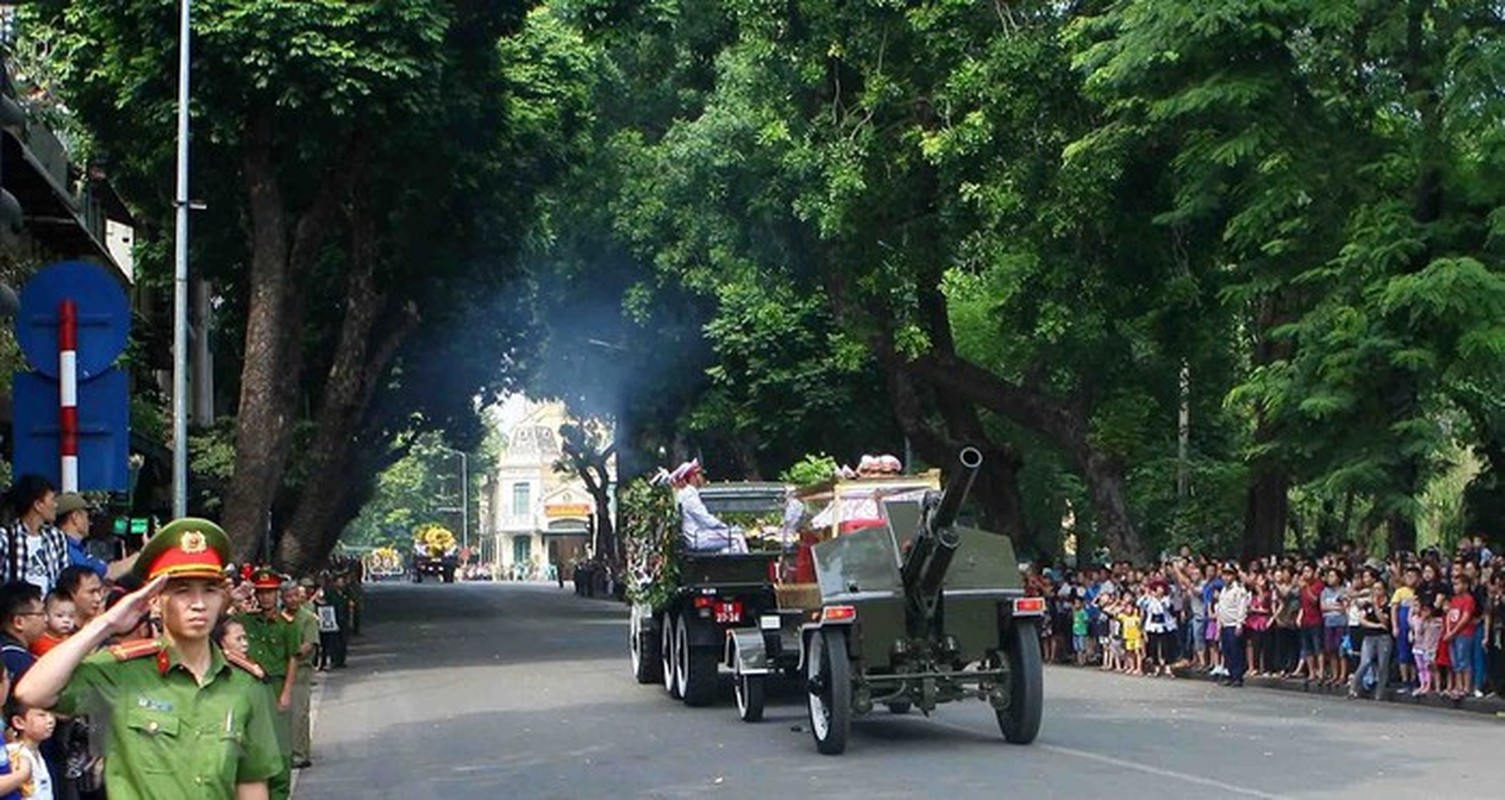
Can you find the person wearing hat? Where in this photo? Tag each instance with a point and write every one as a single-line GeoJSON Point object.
{"type": "Point", "coordinates": [273, 644]}
{"type": "Point", "coordinates": [701, 531]}
{"type": "Point", "coordinates": [184, 719]}
{"type": "Point", "coordinates": [73, 520]}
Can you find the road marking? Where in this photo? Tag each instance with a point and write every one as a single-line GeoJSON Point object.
{"type": "Point", "coordinates": [1164, 773]}
{"type": "Point", "coordinates": [1210, 783]}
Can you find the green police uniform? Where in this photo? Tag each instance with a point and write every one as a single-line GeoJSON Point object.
{"type": "Point", "coordinates": [168, 736]}
{"type": "Point", "coordinates": [271, 642]}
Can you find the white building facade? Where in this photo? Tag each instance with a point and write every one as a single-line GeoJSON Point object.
{"type": "Point", "coordinates": [540, 520]}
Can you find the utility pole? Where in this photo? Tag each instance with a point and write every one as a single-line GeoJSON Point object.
{"type": "Point", "coordinates": [180, 285]}
{"type": "Point", "coordinates": [464, 501]}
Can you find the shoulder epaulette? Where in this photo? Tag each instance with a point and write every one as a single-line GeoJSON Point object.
{"type": "Point", "coordinates": [246, 664]}
{"type": "Point", "coordinates": [135, 648]}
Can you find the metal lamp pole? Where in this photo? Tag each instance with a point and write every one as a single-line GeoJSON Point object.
{"type": "Point", "coordinates": [464, 501]}
{"type": "Point", "coordinates": [180, 285]}
{"type": "Point", "coordinates": [464, 495]}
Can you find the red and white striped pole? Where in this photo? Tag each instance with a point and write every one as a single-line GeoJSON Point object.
{"type": "Point", "coordinates": [67, 376]}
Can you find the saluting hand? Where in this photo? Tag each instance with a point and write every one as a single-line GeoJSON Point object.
{"type": "Point", "coordinates": [126, 615]}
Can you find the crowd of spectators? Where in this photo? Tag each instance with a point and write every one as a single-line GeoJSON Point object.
{"type": "Point", "coordinates": [1414, 623]}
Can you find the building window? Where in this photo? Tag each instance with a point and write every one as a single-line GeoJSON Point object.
{"type": "Point", "coordinates": [522, 502]}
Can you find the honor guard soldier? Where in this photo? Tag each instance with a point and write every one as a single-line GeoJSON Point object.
{"type": "Point", "coordinates": [184, 718]}
{"type": "Point", "coordinates": [274, 643]}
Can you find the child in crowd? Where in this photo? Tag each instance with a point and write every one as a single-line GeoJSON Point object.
{"type": "Point", "coordinates": [1079, 630]}
{"type": "Point", "coordinates": [1133, 638]}
{"type": "Point", "coordinates": [30, 727]}
{"type": "Point", "coordinates": [62, 621]}
{"type": "Point", "coordinates": [13, 774]}
{"type": "Point", "coordinates": [1458, 635]}
{"type": "Point", "coordinates": [1426, 634]}
{"type": "Point", "coordinates": [1113, 650]}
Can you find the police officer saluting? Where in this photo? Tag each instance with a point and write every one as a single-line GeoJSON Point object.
{"type": "Point", "coordinates": [184, 718]}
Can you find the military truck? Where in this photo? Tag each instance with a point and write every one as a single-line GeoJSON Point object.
{"type": "Point", "coordinates": [684, 603]}
{"type": "Point", "coordinates": [430, 560]}
{"type": "Point", "coordinates": [914, 612]}
{"type": "Point", "coordinates": [774, 649]}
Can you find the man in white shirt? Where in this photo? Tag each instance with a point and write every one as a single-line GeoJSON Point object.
{"type": "Point", "coordinates": [701, 531]}
{"type": "Point", "coordinates": [1232, 611]}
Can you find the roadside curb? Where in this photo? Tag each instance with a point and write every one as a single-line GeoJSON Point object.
{"type": "Point", "coordinates": [1487, 706]}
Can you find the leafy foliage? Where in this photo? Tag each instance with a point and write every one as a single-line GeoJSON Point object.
{"type": "Point", "coordinates": [650, 534]}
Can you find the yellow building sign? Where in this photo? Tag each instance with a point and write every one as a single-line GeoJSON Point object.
{"type": "Point", "coordinates": [567, 510]}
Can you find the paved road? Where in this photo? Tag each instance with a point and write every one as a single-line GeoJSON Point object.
{"type": "Point", "coordinates": [481, 691]}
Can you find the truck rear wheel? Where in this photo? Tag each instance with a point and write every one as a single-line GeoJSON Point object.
{"type": "Point", "coordinates": [666, 655]}
{"type": "Point", "coordinates": [750, 696]}
{"type": "Point", "coordinates": [696, 667]}
{"type": "Point", "coordinates": [644, 644]}
{"type": "Point", "coordinates": [1019, 720]}
{"type": "Point", "coordinates": [828, 676]}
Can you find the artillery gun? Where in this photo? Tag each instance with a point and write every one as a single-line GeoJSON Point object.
{"type": "Point", "coordinates": [922, 619]}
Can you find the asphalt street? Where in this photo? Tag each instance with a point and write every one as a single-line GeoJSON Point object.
{"type": "Point", "coordinates": [523, 690]}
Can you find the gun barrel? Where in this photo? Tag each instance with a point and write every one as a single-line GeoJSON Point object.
{"type": "Point", "coordinates": [924, 570]}
{"type": "Point", "coordinates": [957, 488]}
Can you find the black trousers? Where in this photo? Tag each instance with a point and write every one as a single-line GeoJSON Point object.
{"type": "Point", "coordinates": [331, 649]}
{"type": "Point", "coordinates": [1162, 648]}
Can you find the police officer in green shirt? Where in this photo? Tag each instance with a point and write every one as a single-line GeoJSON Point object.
{"type": "Point", "coordinates": [185, 719]}
{"type": "Point", "coordinates": [274, 643]}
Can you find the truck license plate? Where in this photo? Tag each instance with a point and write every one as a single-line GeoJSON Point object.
{"type": "Point", "coordinates": [728, 611]}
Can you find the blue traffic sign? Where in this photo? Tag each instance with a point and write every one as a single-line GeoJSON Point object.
{"type": "Point", "coordinates": [104, 433]}
{"type": "Point", "coordinates": [104, 318]}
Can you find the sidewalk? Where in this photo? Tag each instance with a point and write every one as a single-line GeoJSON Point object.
{"type": "Point", "coordinates": [1493, 706]}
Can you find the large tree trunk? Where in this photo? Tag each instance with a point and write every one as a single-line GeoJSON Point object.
{"type": "Point", "coordinates": [1265, 513]}
{"type": "Point", "coordinates": [357, 365]}
{"type": "Point", "coordinates": [1103, 475]}
{"type": "Point", "coordinates": [272, 361]}
{"type": "Point", "coordinates": [1268, 502]}
{"type": "Point", "coordinates": [997, 487]}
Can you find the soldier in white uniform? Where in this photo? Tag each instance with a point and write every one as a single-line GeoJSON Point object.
{"type": "Point", "coordinates": [702, 531]}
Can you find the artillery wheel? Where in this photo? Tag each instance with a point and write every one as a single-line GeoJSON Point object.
{"type": "Point", "coordinates": [828, 676]}
{"type": "Point", "coordinates": [1020, 719]}
{"type": "Point", "coordinates": [749, 691]}
{"type": "Point", "coordinates": [695, 667]}
{"type": "Point", "coordinates": [666, 657]}
{"type": "Point", "coordinates": [900, 707]}
{"type": "Point", "coordinates": [646, 666]}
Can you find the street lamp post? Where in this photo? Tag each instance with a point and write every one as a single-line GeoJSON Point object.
{"type": "Point", "coordinates": [180, 285]}
{"type": "Point", "coordinates": [464, 495]}
{"type": "Point", "coordinates": [464, 502]}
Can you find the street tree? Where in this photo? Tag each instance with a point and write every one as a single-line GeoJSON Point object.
{"type": "Point", "coordinates": [368, 170]}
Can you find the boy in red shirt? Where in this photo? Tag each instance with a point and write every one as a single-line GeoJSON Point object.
{"type": "Point", "coordinates": [1458, 634]}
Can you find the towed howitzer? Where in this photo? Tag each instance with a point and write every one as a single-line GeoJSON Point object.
{"type": "Point", "coordinates": [935, 543]}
